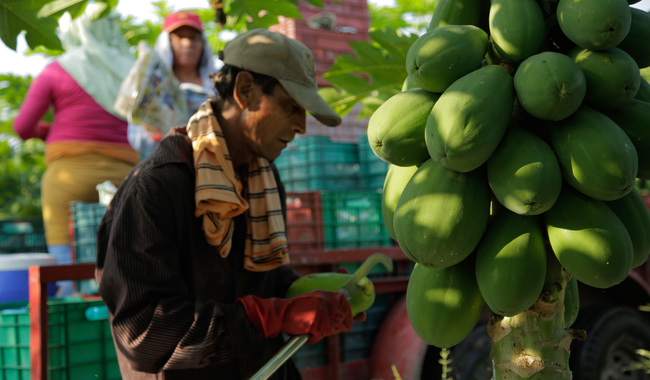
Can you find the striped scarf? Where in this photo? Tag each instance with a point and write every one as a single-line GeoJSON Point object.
{"type": "Point", "coordinates": [219, 197]}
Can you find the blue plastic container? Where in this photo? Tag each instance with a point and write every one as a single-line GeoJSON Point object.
{"type": "Point", "coordinates": [14, 277]}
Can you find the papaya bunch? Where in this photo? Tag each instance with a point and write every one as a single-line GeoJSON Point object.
{"type": "Point", "coordinates": [514, 147]}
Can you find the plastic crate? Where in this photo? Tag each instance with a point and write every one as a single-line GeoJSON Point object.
{"type": "Point", "coordinates": [80, 345]}
{"type": "Point", "coordinates": [372, 169]}
{"type": "Point", "coordinates": [353, 219]}
{"type": "Point", "coordinates": [311, 355]}
{"type": "Point", "coordinates": [315, 163]}
{"type": "Point", "coordinates": [304, 221]}
{"type": "Point", "coordinates": [22, 236]}
{"type": "Point", "coordinates": [83, 224]}
{"type": "Point", "coordinates": [357, 343]}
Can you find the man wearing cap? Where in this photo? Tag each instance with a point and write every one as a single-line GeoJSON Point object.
{"type": "Point", "coordinates": [192, 252]}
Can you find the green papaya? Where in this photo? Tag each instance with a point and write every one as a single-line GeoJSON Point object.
{"type": "Point", "coordinates": [595, 155]}
{"type": "Point", "coordinates": [594, 24]}
{"type": "Point", "coordinates": [396, 128]}
{"type": "Point", "coordinates": [634, 119]}
{"type": "Point", "coordinates": [511, 263]}
{"type": "Point", "coordinates": [441, 215]}
{"type": "Point", "coordinates": [333, 282]}
{"type": "Point", "coordinates": [644, 91]}
{"type": "Point", "coordinates": [550, 86]}
{"type": "Point", "coordinates": [457, 12]}
{"type": "Point", "coordinates": [613, 78]}
{"type": "Point", "coordinates": [524, 174]}
{"type": "Point", "coordinates": [439, 57]}
{"type": "Point", "coordinates": [571, 302]}
{"type": "Point", "coordinates": [470, 118]}
{"type": "Point", "coordinates": [409, 84]}
{"type": "Point", "coordinates": [588, 239]}
{"type": "Point", "coordinates": [637, 41]}
{"type": "Point", "coordinates": [443, 304]}
{"type": "Point", "coordinates": [396, 179]}
{"type": "Point", "coordinates": [516, 28]}
{"type": "Point", "coordinates": [634, 213]}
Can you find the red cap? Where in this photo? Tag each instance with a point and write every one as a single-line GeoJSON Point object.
{"type": "Point", "coordinates": [182, 18]}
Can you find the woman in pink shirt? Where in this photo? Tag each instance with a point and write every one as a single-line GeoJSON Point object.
{"type": "Point", "coordinates": [86, 144]}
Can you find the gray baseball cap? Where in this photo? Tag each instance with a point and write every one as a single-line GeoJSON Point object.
{"type": "Point", "coordinates": [285, 59]}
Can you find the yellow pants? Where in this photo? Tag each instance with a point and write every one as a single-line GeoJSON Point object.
{"type": "Point", "coordinates": [74, 178]}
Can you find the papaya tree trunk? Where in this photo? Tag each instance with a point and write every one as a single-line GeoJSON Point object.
{"type": "Point", "coordinates": [535, 344]}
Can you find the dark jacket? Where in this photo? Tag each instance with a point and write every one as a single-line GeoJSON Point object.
{"type": "Point", "coordinates": [171, 297]}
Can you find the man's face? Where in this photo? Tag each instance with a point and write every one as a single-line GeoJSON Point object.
{"type": "Point", "coordinates": [187, 46]}
{"type": "Point", "coordinates": [272, 122]}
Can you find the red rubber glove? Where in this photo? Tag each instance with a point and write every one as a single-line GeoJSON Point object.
{"type": "Point", "coordinates": [317, 313]}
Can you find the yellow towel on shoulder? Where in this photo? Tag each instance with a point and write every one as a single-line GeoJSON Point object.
{"type": "Point", "coordinates": [220, 196]}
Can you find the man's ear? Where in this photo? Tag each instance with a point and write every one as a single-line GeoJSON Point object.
{"type": "Point", "coordinates": [244, 89]}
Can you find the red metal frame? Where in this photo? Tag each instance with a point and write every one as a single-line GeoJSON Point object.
{"type": "Point", "coordinates": [39, 277]}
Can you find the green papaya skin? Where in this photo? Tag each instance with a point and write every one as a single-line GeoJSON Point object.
{"type": "Point", "coordinates": [396, 179]}
{"type": "Point", "coordinates": [470, 118]}
{"type": "Point", "coordinates": [457, 12]}
{"type": "Point", "coordinates": [633, 119]}
{"type": "Point", "coordinates": [439, 57]}
{"type": "Point", "coordinates": [589, 240]}
{"type": "Point", "coordinates": [333, 282]}
{"type": "Point", "coordinates": [613, 78]}
{"type": "Point", "coordinates": [571, 302]}
{"type": "Point", "coordinates": [550, 86]}
{"type": "Point", "coordinates": [441, 215]}
{"type": "Point", "coordinates": [637, 41]}
{"type": "Point", "coordinates": [644, 91]}
{"type": "Point", "coordinates": [396, 128]}
{"type": "Point", "coordinates": [595, 155]}
{"type": "Point", "coordinates": [443, 304]}
{"type": "Point", "coordinates": [633, 212]}
{"type": "Point", "coordinates": [524, 174]}
{"type": "Point", "coordinates": [516, 28]}
{"type": "Point", "coordinates": [594, 24]}
{"type": "Point", "coordinates": [511, 263]}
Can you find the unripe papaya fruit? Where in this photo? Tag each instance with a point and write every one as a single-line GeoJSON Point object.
{"type": "Point", "coordinates": [637, 41]}
{"type": "Point", "coordinates": [396, 179]}
{"type": "Point", "coordinates": [588, 239]}
{"type": "Point", "coordinates": [470, 118]}
{"type": "Point", "coordinates": [439, 57]}
{"type": "Point", "coordinates": [458, 12]}
{"type": "Point", "coordinates": [396, 129]}
{"type": "Point", "coordinates": [634, 119]}
{"type": "Point", "coordinates": [516, 28]}
{"type": "Point", "coordinates": [644, 91]}
{"type": "Point", "coordinates": [333, 281]}
{"type": "Point", "coordinates": [441, 215]}
{"type": "Point", "coordinates": [443, 304]}
{"type": "Point", "coordinates": [594, 24]}
{"type": "Point", "coordinates": [595, 155]}
{"type": "Point", "coordinates": [613, 78]}
{"type": "Point", "coordinates": [524, 174]}
{"type": "Point", "coordinates": [571, 302]}
{"type": "Point", "coordinates": [550, 86]}
{"type": "Point", "coordinates": [511, 263]}
{"type": "Point", "coordinates": [634, 213]}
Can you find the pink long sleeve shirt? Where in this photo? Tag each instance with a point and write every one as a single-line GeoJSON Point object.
{"type": "Point", "coordinates": [77, 116]}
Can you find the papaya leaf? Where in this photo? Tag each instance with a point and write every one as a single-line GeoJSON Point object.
{"type": "Point", "coordinates": [19, 15]}
{"type": "Point", "coordinates": [250, 14]}
{"type": "Point", "coordinates": [373, 73]}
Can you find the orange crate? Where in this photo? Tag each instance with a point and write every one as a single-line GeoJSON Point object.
{"type": "Point", "coordinates": [304, 221]}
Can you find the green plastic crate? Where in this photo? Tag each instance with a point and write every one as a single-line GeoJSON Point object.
{"type": "Point", "coordinates": [22, 236]}
{"type": "Point", "coordinates": [357, 343]}
{"type": "Point", "coordinates": [83, 224]}
{"type": "Point", "coordinates": [80, 345]}
{"type": "Point", "coordinates": [372, 169]}
{"type": "Point", "coordinates": [353, 219]}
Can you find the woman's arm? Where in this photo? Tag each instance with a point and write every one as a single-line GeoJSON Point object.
{"type": "Point", "coordinates": [28, 123]}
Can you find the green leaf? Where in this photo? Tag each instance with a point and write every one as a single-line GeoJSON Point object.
{"type": "Point", "coordinates": [373, 73]}
{"type": "Point", "coordinates": [19, 15]}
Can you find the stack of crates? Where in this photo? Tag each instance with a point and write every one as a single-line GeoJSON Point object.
{"type": "Point", "coordinates": [80, 345]}
{"type": "Point", "coordinates": [83, 224]}
{"type": "Point", "coordinates": [24, 235]}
